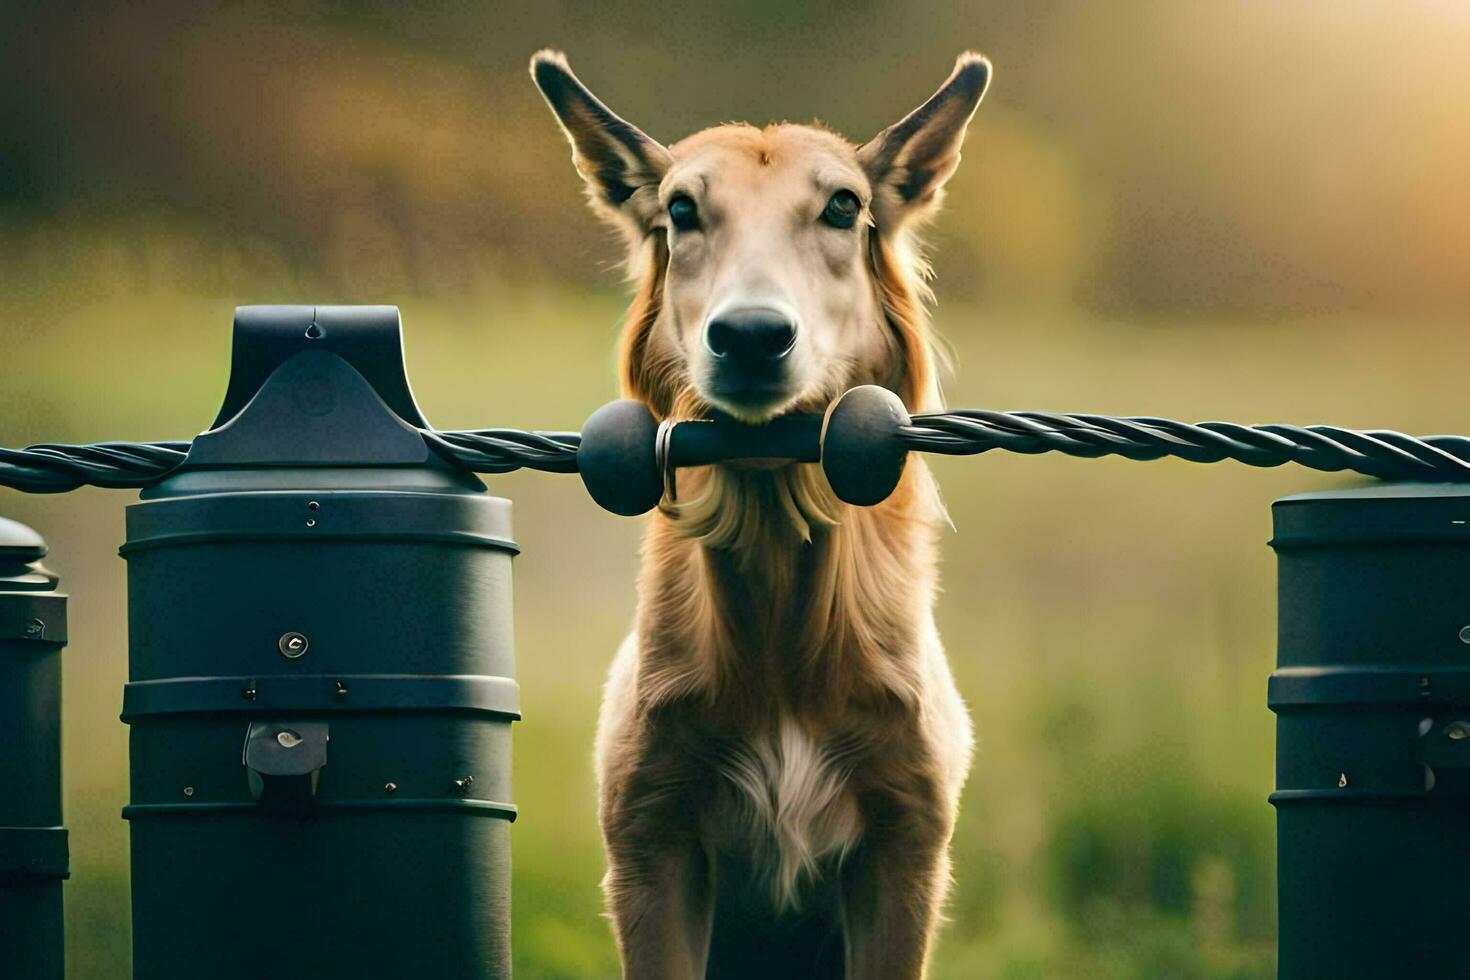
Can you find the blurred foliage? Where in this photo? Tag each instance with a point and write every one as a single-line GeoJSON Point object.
{"type": "Point", "coordinates": [1247, 211]}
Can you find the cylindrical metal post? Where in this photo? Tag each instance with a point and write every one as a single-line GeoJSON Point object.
{"type": "Point", "coordinates": [33, 851]}
{"type": "Point", "coordinates": [1372, 697]}
{"type": "Point", "coordinates": [320, 680]}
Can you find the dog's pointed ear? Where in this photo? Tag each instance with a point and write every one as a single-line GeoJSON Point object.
{"type": "Point", "coordinates": [909, 161]}
{"type": "Point", "coordinates": [620, 163]}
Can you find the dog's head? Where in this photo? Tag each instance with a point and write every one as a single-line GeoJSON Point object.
{"type": "Point", "coordinates": [776, 265]}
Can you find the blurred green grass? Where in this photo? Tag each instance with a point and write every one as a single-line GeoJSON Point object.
{"type": "Point", "coordinates": [1110, 622]}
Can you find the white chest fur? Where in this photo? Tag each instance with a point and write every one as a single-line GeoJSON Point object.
{"type": "Point", "coordinates": [797, 799]}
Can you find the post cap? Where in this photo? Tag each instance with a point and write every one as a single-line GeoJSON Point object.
{"type": "Point", "coordinates": [31, 609]}
{"type": "Point", "coordinates": [19, 544]}
{"type": "Point", "coordinates": [21, 551]}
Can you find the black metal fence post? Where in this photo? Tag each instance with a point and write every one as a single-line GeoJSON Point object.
{"type": "Point", "coordinates": [33, 847]}
{"type": "Point", "coordinates": [320, 679]}
{"type": "Point", "coordinates": [1372, 696]}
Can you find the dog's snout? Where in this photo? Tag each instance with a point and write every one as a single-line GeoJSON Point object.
{"type": "Point", "coordinates": [751, 335]}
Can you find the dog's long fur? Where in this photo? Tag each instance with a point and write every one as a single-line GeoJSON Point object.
{"type": "Point", "coordinates": [781, 747]}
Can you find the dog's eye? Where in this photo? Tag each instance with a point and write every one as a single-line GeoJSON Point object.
{"type": "Point", "coordinates": [683, 213]}
{"type": "Point", "coordinates": [842, 209]}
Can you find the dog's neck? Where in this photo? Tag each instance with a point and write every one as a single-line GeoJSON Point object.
{"type": "Point", "coordinates": [760, 588]}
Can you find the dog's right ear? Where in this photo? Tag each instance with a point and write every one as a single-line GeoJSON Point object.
{"type": "Point", "coordinates": [621, 165]}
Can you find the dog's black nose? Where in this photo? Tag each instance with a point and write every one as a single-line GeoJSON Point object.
{"type": "Point", "coordinates": [755, 335]}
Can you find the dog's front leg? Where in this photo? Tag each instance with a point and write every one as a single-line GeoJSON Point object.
{"type": "Point", "coordinates": [659, 882]}
{"type": "Point", "coordinates": [893, 888]}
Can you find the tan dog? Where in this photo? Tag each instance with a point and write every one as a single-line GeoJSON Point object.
{"type": "Point", "coordinates": [781, 747]}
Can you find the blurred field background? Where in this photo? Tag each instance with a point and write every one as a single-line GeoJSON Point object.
{"type": "Point", "coordinates": [1256, 212]}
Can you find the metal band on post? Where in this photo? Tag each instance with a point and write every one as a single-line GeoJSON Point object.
{"type": "Point", "coordinates": [33, 845]}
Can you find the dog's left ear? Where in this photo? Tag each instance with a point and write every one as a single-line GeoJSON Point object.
{"type": "Point", "coordinates": [909, 161]}
{"type": "Point", "coordinates": [621, 165]}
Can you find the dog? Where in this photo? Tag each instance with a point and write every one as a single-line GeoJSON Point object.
{"type": "Point", "coordinates": [781, 746]}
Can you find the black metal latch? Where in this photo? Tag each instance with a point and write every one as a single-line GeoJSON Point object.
{"type": "Point", "coordinates": [284, 760]}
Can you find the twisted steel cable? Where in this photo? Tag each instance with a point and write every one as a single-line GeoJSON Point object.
{"type": "Point", "coordinates": [505, 450]}
{"type": "Point", "coordinates": [57, 468]}
{"type": "Point", "coordinates": [1384, 454]}
{"type": "Point", "coordinates": [1380, 453]}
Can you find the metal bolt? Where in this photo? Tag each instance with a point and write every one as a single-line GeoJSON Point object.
{"type": "Point", "coordinates": [341, 690]}
{"type": "Point", "coordinates": [1457, 730]}
{"type": "Point", "coordinates": [312, 505]}
{"type": "Point", "coordinates": [390, 788]}
{"type": "Point", "coordinates": [248, 694]}
{"type": "Point", "coordinates": [288, 739]}
{"type": "Point", "coordinates": [464, 783]}
{"type": "Point", "coordinates": [1342, 780]}
{"type": "Point", "coordinates": [35, 628]}
{"type": "Point", "coordinates": [292, 645]}
{"type": "Point", "coordinates": [310, 523]}
{"type": "Point", "coordinates": [188, 791]}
